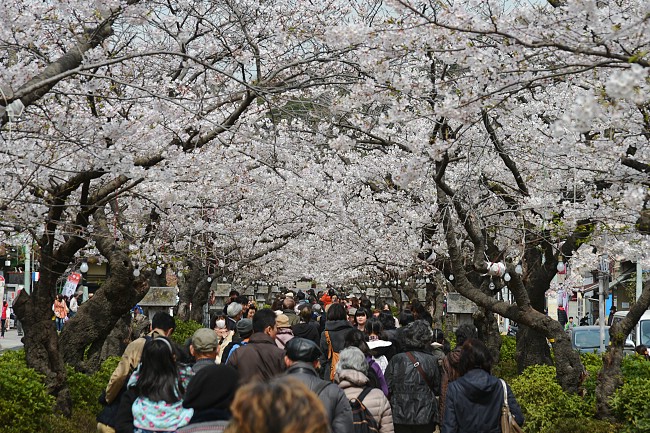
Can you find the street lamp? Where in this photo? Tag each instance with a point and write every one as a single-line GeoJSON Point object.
{"type": "Point", "coordinates": [84, 267]}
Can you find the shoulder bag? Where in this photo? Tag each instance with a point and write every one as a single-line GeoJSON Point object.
{"type": "Point", "coordinates": [508, 422]}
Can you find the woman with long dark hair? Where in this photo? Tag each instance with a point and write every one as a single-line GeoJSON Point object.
{"type": "Point", "coordinates": [153, 401]}
{"type": "Point", "coordinates": [332, 340]}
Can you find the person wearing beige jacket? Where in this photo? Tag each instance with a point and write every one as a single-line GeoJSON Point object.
{"type": "Point", "coordinates": [351, 372]}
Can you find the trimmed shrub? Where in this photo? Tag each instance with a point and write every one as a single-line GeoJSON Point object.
{"type": "Point", "coordinates": [593, 363]}
{"type": "Point", "coordinates": [184, 331]}
{"type": "Point", "coordinates": [631, 402]}
{"type": "Point", "coordinates": [543, 401]}
{"type": "Point", "coordinates": [507, 366]}
{"type": "Point", "coordinates": [583, 425]}
{"type": "Point", "coordinates": [23, 397]}
{"type": "Point", "coordinates": [85, 389]}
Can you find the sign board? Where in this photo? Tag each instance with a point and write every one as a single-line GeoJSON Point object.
{"type": "Point", "coordinates": [71, 284]}
{"type": "Point", "coordinates": [159, 297]}
{"type": "Point", "coordinates": [458, 304]}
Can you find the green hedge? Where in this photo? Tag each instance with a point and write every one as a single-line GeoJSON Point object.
{"type": "Point", "coordinates": [184, 331]}
{"type": "Point", "coordinates": [24, 401]}
{"type": "Point", "coordinates": [545, 404]}
{"type": "Point", "coordinates": [85, 389]}
{"type": "Point", "coordinates": [631, 402]}
{"type": "Point", "coordinates": [507, 366]}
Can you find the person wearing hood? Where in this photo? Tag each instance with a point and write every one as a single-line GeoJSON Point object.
{"type": "Point", "coordinates": [210, 396]}
{"type": "Point", "coordinates": [413, 378]}
{"type": "Point", "coordinates": [475, 399]}
{"type": "Point", "coordinates": [352, 378]}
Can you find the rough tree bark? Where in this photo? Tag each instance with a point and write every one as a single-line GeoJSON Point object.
{"type": "Point", "coordinates": [114, 345]}
{"type": "Point", "coordinates": [97, 317]}
{"type": "Point", "coordinates": [187, 283]}
{"type": "Point", "coordinates": [532, 346]}
{"type": "Point", "coordinates": [435, 295]}
{"type": "Point", "coordinates": [568, 365]}
{"type": "Point", "coordinates": [610, 377]}
{"type": "Point", "coordinates": [488, 331]}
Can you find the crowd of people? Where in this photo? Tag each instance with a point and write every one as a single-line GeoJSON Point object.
{"type": "Point", "coordinates": [310, 363]}
{"type": "Point", "coordinates": [64, 308]}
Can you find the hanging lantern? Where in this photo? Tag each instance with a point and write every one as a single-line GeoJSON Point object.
{"type": "Point", "coordinates": [496, 269]}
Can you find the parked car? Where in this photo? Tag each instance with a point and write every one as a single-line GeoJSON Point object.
{"type": "Point", "coordinates": [586, 339]}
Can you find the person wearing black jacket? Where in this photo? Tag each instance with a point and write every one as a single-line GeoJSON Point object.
{"type": "Point", "coordinates": [301, 359]}
{"type": "Point", "coordinates": [336, 329]}
{"type": "Point", "coordinates": [475, 399]}
{"type": "Point", "coordinates": [306, 328]}
{"type": "Point", "coordinates": [413, 378]}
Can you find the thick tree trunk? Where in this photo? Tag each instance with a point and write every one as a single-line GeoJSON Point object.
{"type": "Point", "coordinates": [532, 348]}
{"type": "Point", "coordinates": [200, 299]}
{"type": "Point", "coordinates": [568, 366]}
{"type": "Point", "coordinates": [409, 291]}
{"type": "Point", "coordinates": [114, 345]}
{"type": "Point", "coordinates": [610, 377]}
{"type": "Point", "coordinates": [40, 339]}
{"type": "Point", "coordinates": [97, 317]}
{"type": "Point", "coordinates": [435, 298]}
{"type": "Point", "coordinates": [488, 331]}
{"type": "Point", "coordinates": [187, 283]}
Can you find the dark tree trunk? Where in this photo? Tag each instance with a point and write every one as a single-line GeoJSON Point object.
{"type": "Point", "coordinates": [40, 340]}
{"type": "Point", "coordinates": [97, 317]}
{"type": "Point", "coordinates": [114, 345]}
{"type": "Point", "coordinates": [532, 348]}
{"type": "Point", "coordinates": [187, 283]}
{"type": "Point", "coordinates": [409, 291]}
{"type": "Point", "coordinates": [610, 377]}
{"type": "Point", "coordinates": [200, 299]}
{"type": "Point", "coordinates": [435, 298]}
{"type": "Point", "coordinates": [488, 331]}
{"type": "Point", "coordinates": [568, 365]}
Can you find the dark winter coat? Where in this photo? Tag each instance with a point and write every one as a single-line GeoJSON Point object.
{"type": "Point", "coordinates": [337, 405]}
{"type": "Point", "coordinates": [412, 400]}
{"type": "Point", "coordinates": [259, 359]}
{"type": "Point", "coordinates": [474, 404]}
{"type": "Point", "coordinates": [309, 331]}
{"type": "Point", "coordinates": [338, 330]}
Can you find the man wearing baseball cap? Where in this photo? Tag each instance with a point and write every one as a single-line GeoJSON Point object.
{"type": "Point", "coordinates": [204, 348]}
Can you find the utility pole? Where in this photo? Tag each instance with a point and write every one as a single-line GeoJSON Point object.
{"type": "Point", "coordinates": [603, 287]}
{"type": "Point", "coordinates": [28, 269]}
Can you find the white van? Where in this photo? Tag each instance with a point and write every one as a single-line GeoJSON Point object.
{"type": "Point", "coordinates": [641, 332]}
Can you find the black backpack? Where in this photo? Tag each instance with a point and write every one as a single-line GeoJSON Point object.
{"type": "Point", "coordinates": [362, 419]}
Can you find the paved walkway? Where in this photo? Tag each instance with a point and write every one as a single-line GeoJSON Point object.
{"type": "Point", "coordinates": [11, 341]}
